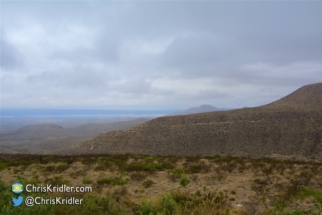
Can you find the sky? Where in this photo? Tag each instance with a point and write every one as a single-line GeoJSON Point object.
{"type": "Point", "coordinates": [157, 54]}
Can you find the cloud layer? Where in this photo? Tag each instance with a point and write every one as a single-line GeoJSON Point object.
{"type": "Point", "coordinates": [157, 54]}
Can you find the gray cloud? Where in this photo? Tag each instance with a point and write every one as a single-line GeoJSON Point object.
{"type": "Point", "coordinates": [10, 57]}
{"type": "Point", "coordinates": [157, 54]}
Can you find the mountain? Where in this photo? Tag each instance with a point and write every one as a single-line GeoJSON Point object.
{"type": "Point", "coordinates": [7, 151]}
{"type": "Point", "coordinates": [43, 138]}
{"type": "Point", "coordinates": [91, 130]}
{"type": "Point", "coordinates": [289, 127]}
{"type": "Point", "coordinates": [36, 132]}
{"type": "Point", "coordinates": [200, 109]}
{"type": "Point", "coordinates": [306, 98]}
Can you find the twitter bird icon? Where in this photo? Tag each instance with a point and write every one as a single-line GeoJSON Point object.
{"type": "Point", "coordinates": [17, 202]}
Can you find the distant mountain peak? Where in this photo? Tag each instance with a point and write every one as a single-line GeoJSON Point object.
{"type": "Point", "coordinates": [206, 105]}
{"type": "Point", "coordinates": [201, 109]}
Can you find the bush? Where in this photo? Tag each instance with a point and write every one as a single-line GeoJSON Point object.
{"type": "Point", "coordinates": [200, 167]}
{"type": "Point", "coordinates": [62, 167]}
{"type": "Point", "coordinates": [309, 191]}
{"type": "Point", "coordinates": [232, 198]}
{"type": "Point", "coordinates": [57, 180]}
{"type": "Point", "coordinates": [184, 181]}
{"type": "Point", "coordinates": [147, 183]}
{"type": "Point", "coordinates": [147, 167]}
{"type": "Point", "coordinates": [146, 208]}
{"type": "Point", "coordinates": [87, 181]}
{"type": "Point", "coordinates": [50, 168]}
{"type": "Point", "coordinates": [138, 176]}
{"type": "Point", "coordinates": [112, 181]}
{"type": "Point", "coordinates": [178, 171]}
{"type": "Point", "coordinates": [177, 202]}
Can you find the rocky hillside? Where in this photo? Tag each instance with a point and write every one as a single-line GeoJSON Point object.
{"type": "Point", "coordinates": [289, 127]}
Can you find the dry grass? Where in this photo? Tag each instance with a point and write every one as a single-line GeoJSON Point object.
{"type": "Point", "coordinates": [260, 179]}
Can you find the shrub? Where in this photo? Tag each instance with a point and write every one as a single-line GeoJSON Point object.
{"type": "Point", "coordinates": [57, 180]}
{"type": "Point", "coordinates": [200, 167]}
{"type": "Point", "coordinates": [178, 171]}
{"type": "Point", "coordinates": [138, 176]}
{"type": "Point", "coordinates": [3, 164]}
{"type": "Point", "coordinates": [50, 168]}
{"type": "Point", "coordinates": [177, 202]}
{"type": "Point", "coordinates": [148, 183]}
{"type": "Point", "coordinates": [121, 191]}
{"type": "Point", "coordinates": [99, 168]}
{"type": "Point", "coordinates": [147, 167]}
{"type": "Point", "coordinates": [309, 191]}
{"type": "Point", "coordinates": [168, 204]}
{"type": "Point", "coordinates": [115, 161]}
{"type": "Point", "coordinates": [61, 167]}
{"type": "Point", "coordinates": [112, 181]}
{"type": "Point", "coordinates": [232, 198]}
{"type": "Point", "coordinates": [146, 208]}
{"type": "Point", "coordinates": [89, 160]}
{"type": "Point", "coordinates": [184, 181]}
{"type": "Point", "coordinates": [87, 181]}
{"type": "Point", "coordinates": [174, 177]}
{"type": "Point", "coordinates": [231, 166]}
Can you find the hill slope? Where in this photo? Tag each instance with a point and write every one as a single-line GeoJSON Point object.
{"type": "Point", "coordinates": [44, 138]}
{"type": "Point", "coordinates": [291, 126]}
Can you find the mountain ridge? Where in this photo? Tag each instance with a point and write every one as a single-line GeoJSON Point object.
{"type": "Point", "coordinates": [41, 138]}
{"type": "Point", "coordinates": [279, 128]}
{"type": "Point", "coordinates": [193, 110]}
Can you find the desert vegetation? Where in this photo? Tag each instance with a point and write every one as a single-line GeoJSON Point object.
{"type": "Point", "coordinates": [141, 184]}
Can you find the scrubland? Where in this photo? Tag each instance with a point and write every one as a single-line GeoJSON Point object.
{"type": "Point", "coordinates": [141, 184]}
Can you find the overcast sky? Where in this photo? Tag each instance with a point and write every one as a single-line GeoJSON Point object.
{"type": "Point", "coordinates": [157, 55]}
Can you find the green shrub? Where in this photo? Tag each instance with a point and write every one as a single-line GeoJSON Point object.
{"type": "Point", "coordinates": [177, 202]}
{"type": "Point", "coordinates": [168, 205]}
{"type": "Point", "coordinates": [184, 181]}
{"type": "Point", "coordinates": [50, 168]}
{"type": "Point", "coordinates": [178, 171]}
{"type": "Point", "coordinates": [147, 167]}
{"type": "Point", "coordinates": [115, 161]}
{"type": "Point", "coordinates": [309, 191]}
{"type": "Point", "coordinates": [87, 181]}
{"type": "Point", "coordinates": [3, 164]}
{"type": "Point", "coordinates": [61, 167]}
{"type": "Point", "coordinates": [146, 208]}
